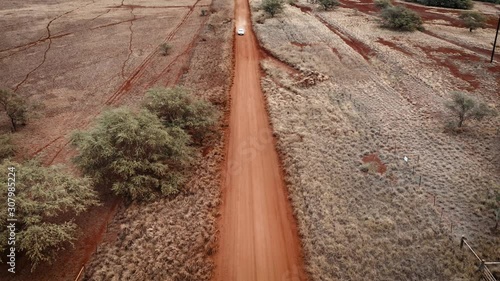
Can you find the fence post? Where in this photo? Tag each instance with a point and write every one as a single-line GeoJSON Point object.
{"type": "Point", "coordinates": [419, 180]}
{"type": "Point", "coordinates": [462, 242]}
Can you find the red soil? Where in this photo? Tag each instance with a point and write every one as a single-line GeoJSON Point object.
{"type": "Point", "coordinates": [258, 233]}
{"type": "Point", "coordinates": [364, 50]}
{"type": "Point", "coordinates": [373, 158]}
{"type": "Point", "coordinates": [393, 46]}
{"type": "Point", "coordinates": [446, 58]}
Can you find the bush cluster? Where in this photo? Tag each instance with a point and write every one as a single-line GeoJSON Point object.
{"type": "Point", "coordinates": [272, 7]}
{"type": "Point", "coordinates": [473, 20]}
{"type": "Point", "coordinates": [146, 153]}
{"type": "Point", "coordinates": [401, 18]}
{"type": "Point", "coordinates": [42, 195]}
{"type": "Point", "coordinates": [455, 4]}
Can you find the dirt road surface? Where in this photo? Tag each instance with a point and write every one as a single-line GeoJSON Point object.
{"type": "Point", "coordinates": [258, 239]}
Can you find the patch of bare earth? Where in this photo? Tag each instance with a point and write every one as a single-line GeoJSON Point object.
{"type": "Point", "coordinates": [174, 238]}
{"type": "Point", "coordinates": [78, 58]}
{"type": "Point", "coordinates": [383, 100]}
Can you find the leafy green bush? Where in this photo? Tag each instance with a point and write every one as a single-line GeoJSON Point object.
{"type": "Point", "coordinates": [272, 7]}
{"type": "Point", "coordinates": [42, 195]}
{"type": "Point", "coordinates": [176, 107]}
{"type": "Point", "coordinates": [401, 18]}
{"type": "Point", "coordinates": [134, 154]}
{"type": "Point", "coordinates": [473, 20]}
{"type": "Point", "coordinates": [456, 4]}
{"type": "Point", "coordinates": [382, 4]}
{"type": "Point", "coordinates": [6, 147]}
{"type": "Point", "coordinates": [328, 4]}
{"type": "Point", "coordinates": [15, 108]}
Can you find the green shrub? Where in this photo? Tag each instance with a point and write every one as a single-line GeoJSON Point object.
{"type": "Point", "coordinates": [328, 4]}
{"type": "Point", "coordinates": [463, 107]}
{"type": "Point", "coordinates": [401, 18]}
{"type": "Point", "coordinates": [177, 107]}
{"type": "Point", "coordinates": [382, 4]}
{"type": "Point", "coordinates": [42, 196]}
{"type": "Point", "coordinates": [473, 20]}
{"type": "Point", "coordinates": [165, 49]}
{"type": "Point", "coordinates": [456, 4]}
{"type": "Point", "coordinates": [134, 154]}
{"type": "Point", "coordinates": [272, 7]}
{"type": "Point", "coordinates": [6, 147]}
{"type": "Point", "coordinates": [14, 106]}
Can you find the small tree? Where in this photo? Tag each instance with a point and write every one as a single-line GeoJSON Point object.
{"type": "Point", "coordinates": [42, 196]}
{"type": "Point", "coordinates": [328, 4]}
{"type": "Point", "coordinates": [176, 107]}
{"type": "Point", "coordinates": [464, 107]}
{"type": "Point", "coordinates": [401, 18]}
{"type": "Point", "coordinates": [165, 49]}
{"type": "Point", "coordinates": [134, 154]}
{"type": "Point", "coordinates": [473, 20]}
{"type": "Point", "coordinates": [6, 147]}
{"type": "Point", "coordinates": [15, 108]}
{"type": "Point", "coordinates": [272, 7]}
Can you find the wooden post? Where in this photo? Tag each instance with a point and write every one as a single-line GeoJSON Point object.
{"type": "Point", "coordinates": [420, 181]}
{"type": "Point", "coordinates": [462, 242]}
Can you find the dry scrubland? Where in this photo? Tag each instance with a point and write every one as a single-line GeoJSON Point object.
{"type": "Point", "coordinates": [382, 94]}
{"type": "Point", "coordinates": [78, 58]}
{"type": "Point", "coordinates": [173, 238]}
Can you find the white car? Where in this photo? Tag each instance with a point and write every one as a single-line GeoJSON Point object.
{"type": "Point", "coordinates": [241, 31]}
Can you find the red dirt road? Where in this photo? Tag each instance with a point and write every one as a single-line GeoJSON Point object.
{"type": "Point", "coordinates": [258, 238]}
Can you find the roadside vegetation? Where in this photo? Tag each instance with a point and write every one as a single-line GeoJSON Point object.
{"type": "Point", "coordinates": [363, 212]}
{"type": "Point", "coordinates": [14, 107]}
{"type": "Point", "coordinates": [328, 4]}
{"type": "Point", "coordinates": [455, 4]}
{"type": "Point", "coordinates": [400, 18]}
{"type": "Point", "coordinates": [6, 146]}
{"type": "Point", "coordinates": [272, 7]}
{"type": "Point", "coordinates": [463, 107]}
{"type": "Point", "coordinates": [473, 20]}
{"type": "Point", "coordinates": [43, 196]}
{"type": "Point", "coordinates": [143, 154]}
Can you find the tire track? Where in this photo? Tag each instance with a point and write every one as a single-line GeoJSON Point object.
{"type": "Point", "coordinates": [123, 89]}
{"type": "Point", "coordinates": [139, 71]}
{"type": "Point", "coordinates": [186, 50]}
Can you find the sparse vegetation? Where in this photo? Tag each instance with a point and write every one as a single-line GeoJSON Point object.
{"type": "Point", "coordinates": [6, 147]}
{"type": "Point", "coordinates": [165, 49]}
{"type": "Point", "coordinates": [15, 108]}
{"type": "Point", "coordinates": [456, 4]}
{"type": "Point", "coordinates": [177, 107]}
{"type": "Point", "coordinates": [464, 107]}
{"type": "Point", "coordinates": [401, 18]}
{"type": "Point", "coordinates": [473, 20]}
{"type": "Point", "coordinates": [382, 4]}
{"type": "Point", "coordinates": [42, 196]}
{"type": "Point", "coordinates": [328, 4]}
{"type": "Point", "coordinates": [272, 7]}
{"type": "Point", "coordinates": [134, 154]}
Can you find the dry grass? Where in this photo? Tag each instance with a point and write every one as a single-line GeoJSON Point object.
{"type": "Point", "coordinates": [359, 225]}
{"type": "Point", "coordinates": [173, 239]}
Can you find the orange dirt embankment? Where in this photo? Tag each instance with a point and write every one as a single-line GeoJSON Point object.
{"type": "Point", "coordinates": [258, 235]}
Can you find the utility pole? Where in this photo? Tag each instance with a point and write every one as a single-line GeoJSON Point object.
{"type": "Point", "coordinates": [495, 42]}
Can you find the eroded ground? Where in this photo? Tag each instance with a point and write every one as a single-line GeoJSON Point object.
{"type": "Point", "coordinates": [348, 100]}
{"type": "Point", "coordinates": [77, 58]}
